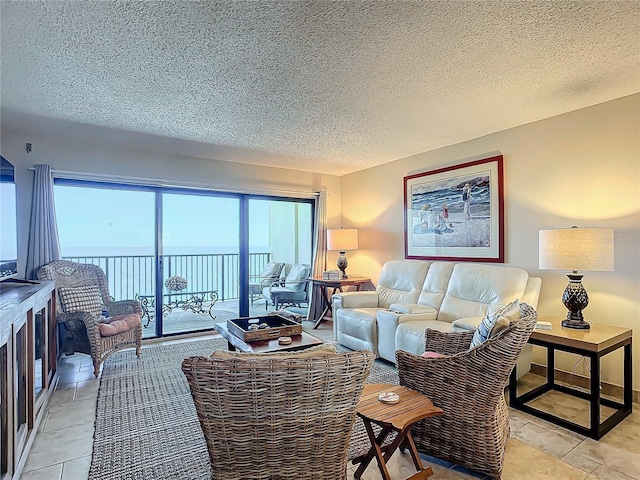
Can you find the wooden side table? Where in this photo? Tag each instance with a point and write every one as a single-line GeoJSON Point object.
{"type": "Point", "coordinates": [325, 285]}
{"type": "Point", "coordinates": [593, 343]}
{"type": "Point", "coordinates": [399, 417]}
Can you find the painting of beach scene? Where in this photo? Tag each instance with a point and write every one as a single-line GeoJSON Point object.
{"type": "Point", "coordinates": [456, 212]}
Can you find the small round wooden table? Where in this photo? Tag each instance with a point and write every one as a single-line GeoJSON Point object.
{"type": "Point", "coordinates": [399, 417]}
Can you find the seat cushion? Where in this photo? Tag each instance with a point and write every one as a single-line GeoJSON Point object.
{"type": "Point", "coordinates": [285, 294]}
{"type": "Point", "coordinates": [84, 298]}
{"type": "Point", "coordinates": [410, 336]}
{"type": "Point", "coordinates": [117, 324]}
{"type": "Point", "coordinates": [358, 323]}
{"type": "Point", "coordinates": [432, 355]}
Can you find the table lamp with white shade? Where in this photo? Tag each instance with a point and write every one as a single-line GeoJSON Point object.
{"type": "Point", "coordinates": [576, 249]}
{"type": "Point", "coordinates": [342, 239]}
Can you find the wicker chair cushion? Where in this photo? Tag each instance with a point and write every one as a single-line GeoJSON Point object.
{"type": "Point", "coordinates": [432, 355]}
{"type": "Point", "coordinates": [296, 279]}
{"type": "Point", "coordinates": [318, 351]}
{"type": "Point", "coordinates": [117, 324]}
{"type": "Point", "coordinates": [496, 321]}
{"type": "Point", "coordinates": [85, 298]}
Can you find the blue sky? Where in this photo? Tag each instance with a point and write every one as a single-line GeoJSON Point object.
{"type": "Point", "coordinates": [95, 218]}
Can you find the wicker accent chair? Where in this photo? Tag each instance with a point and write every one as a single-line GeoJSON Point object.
{"type": "Point", "coordinates": [468, 384]}
{"type": "Point", "coordinates": [91, 332]}
{"type": "Point", "coordinates": [278, 417]}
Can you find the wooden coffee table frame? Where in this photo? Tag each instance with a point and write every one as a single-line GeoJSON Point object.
{"type": "Point", "coordinates": [399, 417]}
{"type": "Point", "coordinates": [298, 342]}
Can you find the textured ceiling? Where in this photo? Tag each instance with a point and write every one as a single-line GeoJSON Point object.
{"type": "Point", "coordinates": [330, 87]}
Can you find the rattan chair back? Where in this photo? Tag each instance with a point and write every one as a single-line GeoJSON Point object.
{"type": "Point", "coordinates": [278, 417]}
{"type": "Point", "coordinates": [468, 384]}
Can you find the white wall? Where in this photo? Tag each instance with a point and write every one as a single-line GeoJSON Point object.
{"type": "Point", "coordinates": [581, 168]}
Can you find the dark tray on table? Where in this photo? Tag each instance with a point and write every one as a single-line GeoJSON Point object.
{"type": "Point", "coordinates": [277, 327]}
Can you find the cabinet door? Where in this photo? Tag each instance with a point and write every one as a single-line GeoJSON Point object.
{"type": "Point", "coordinates": [6, 407]}
{"type": "Point", "coordinates": [23, 397]}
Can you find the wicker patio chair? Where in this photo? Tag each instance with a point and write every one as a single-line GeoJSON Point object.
{"type": "Point", "coordinates": [468, 384]}
{"type": "Point", "coordinates": [278, 417]}
{"type": "Point", "coordinates": [83, 300]}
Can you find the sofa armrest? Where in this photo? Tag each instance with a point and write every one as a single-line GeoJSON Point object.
{"type": "Point", "coordinates": [413, 308]}
{"type": "Point", "coordinates": [355, 300]}
{"type": "Point", "coordinates": [467, 324]}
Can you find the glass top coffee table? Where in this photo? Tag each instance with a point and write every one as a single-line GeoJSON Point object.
{"type": "Point", "coordinates": [298, 342]}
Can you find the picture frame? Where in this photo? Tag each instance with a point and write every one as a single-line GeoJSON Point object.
{"type": "Point", "coordinates": [456, 213]}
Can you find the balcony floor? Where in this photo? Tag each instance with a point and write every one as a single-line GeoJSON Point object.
{"type": "Point", "coordinates": [181, 321]}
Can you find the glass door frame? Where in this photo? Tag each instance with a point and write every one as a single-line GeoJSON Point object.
{"type": "Point", "coordinates": [244, 264]}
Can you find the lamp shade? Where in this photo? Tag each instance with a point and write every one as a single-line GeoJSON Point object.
{"type": "Point", "coordinates": [342, 239]}
{"type": "Point", "coordinates": [576, 249]}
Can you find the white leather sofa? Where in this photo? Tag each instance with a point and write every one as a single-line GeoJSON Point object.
{"type": "Point", "coordinates": [413, 295]}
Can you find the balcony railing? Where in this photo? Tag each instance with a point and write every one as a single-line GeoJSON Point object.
{"type": "Point", "coordinates": [128, 276]}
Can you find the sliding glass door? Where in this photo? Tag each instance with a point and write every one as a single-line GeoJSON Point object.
{"type": "Point", "coordinates": [191, 258]}
{"type": "Point", "coordinates": [280, 234]}
{"type": "Point", "coordinates": [200, 261]}
{"type": "Point", "coordinates": [113, 227]}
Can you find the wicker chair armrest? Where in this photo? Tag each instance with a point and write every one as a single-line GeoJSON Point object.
{"type": "Point", "coordinates": [447, 343]}
{"type": "Point", "coordinates": [123, 307]}
{"type": "Point", "coordinates": [76, 320]}
{"type": "Point", "coordinates": [462, 385]}
{"type": "Point", "coordinates": [91, 322]}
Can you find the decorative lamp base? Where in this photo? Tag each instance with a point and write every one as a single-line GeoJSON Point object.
{"type": "Point", "coordinates": [342, 264]}
{"type": "Point", "coordinates": [579, 324]}
{"type": "Point", "coordinates": [575, 298]}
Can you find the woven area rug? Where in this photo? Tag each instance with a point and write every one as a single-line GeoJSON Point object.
{"type": "Point", "coordinates": [146, 425]}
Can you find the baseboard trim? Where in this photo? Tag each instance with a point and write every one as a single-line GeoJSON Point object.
{"type": "Point", "coordinates": [583, 382]}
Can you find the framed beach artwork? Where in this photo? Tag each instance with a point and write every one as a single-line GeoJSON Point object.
{"type": "Point", "coordinates": [456, 213]}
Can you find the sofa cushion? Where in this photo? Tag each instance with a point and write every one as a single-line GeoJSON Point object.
{"type": "Point", "coordinates": [410, 336]}
{"type": "Point", "coordinates": [401, 281]}
{"type": "Point", "coordinates": [359, 323]}
{"type": "Point", "coordinates": [312, 352]}
{"type": "Point", "coordinates": [466, 324]}
{"type": "Point", "coordinates": [474, 287]}
{"type": "Point", "coordinates": [85, 298]}
{"type": "Point", "coordinates": [435, 284]}
{"type": "Point", "coordinates": [495, 321]}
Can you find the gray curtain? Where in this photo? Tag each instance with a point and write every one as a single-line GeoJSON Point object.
{"type": "Point", "coordinates": [44, 245]}
{"type": "Point", "coordinates": [319, 255]}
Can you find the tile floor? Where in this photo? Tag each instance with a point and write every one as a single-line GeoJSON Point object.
{"type": "Point", "coordinates": [536, 449]}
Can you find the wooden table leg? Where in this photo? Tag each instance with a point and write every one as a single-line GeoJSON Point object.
{"type": "Point", "coordinates": [327, 304]}
{"type": "Point", "coordinates": [414, 453]}
{"type": "Point", "coordinates": [374, 451]}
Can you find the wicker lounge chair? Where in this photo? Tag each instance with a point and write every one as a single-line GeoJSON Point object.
{"type": "Point", "coordinates": [276, 416]}
{"type": "Point", "coordinates": [90, 331]}
{"type": "Point", "coordinates": [469, 386]}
